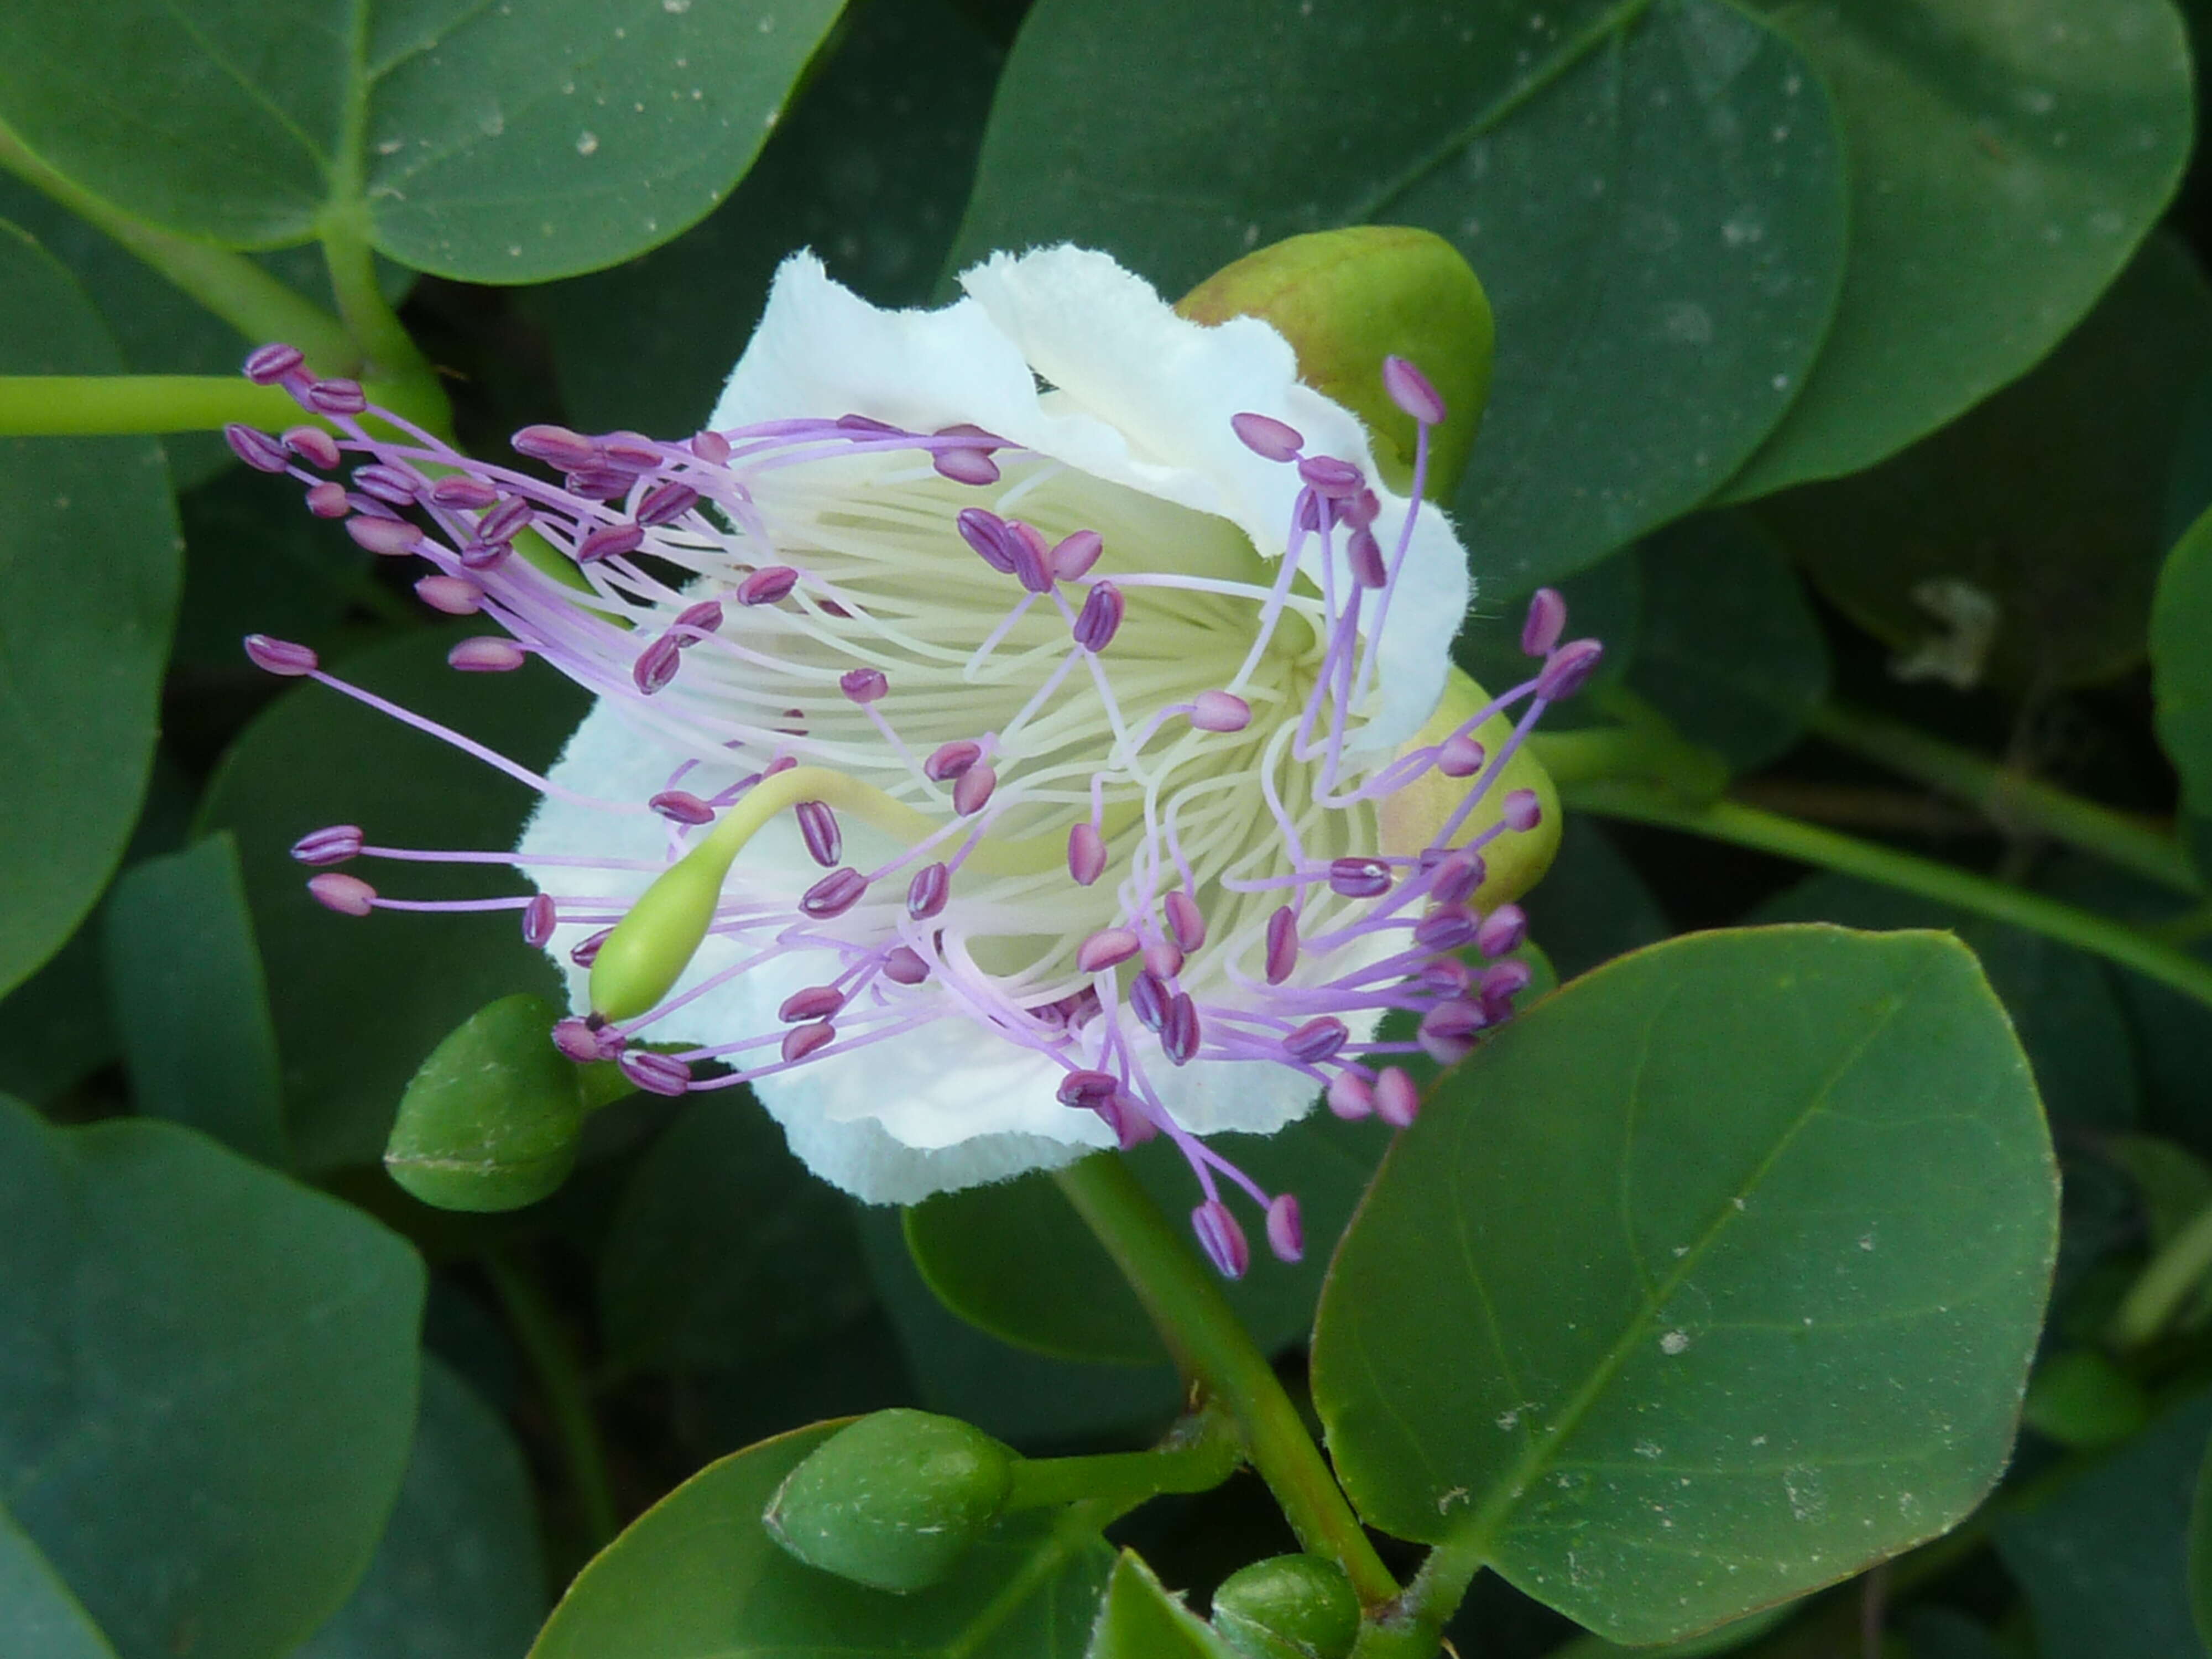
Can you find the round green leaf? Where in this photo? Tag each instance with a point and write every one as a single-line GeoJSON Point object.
{"type": "Point", "coordinates": [509, 143]}
{"type": "Point", "coordinates": [1652, 195]}
{"type": "Point", "coordinates": [2020, 544]}
{"type": "Point", "coordinates": [460, 1570]}
{"type": "Point", "coordinates": [1139, 1619]}
{"type": "Point", "coordinates": [359, 1003]}
{"type": "Point", "coordinates": [492, 1119]}
{"type": "Point", "coordinates": [2006, 158]}
{"type": "Point", "coordinates": [209, 1386]}
{"type": "Point", "coordinates": [1711, 1279]}
{"type": "Point", "coordinates": [88, 585]}
{"type": "Point", "coordinates": [698, 1577]}
{"type": "Point", "coordinates": [42, 1618]}
{"type": "Point", "coordinates": [2181, 663]}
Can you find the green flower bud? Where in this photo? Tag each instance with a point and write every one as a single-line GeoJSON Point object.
{"type": "Point", "coordinates": [1347, 298]}
{"type": "Point", "coordinates": [492, 1119]}
{"type": "Point", "coordinates": [1292, 1607]}
{"type": "Point", "coordinates": [1412, 817]}
{"type": "Point", "coordinates": [892, 1501]}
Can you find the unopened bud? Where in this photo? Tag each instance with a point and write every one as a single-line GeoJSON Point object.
{"type": "Point", "coordinates": [1291, 1606]}
{"type": "Point", "coordinates": [492, 1119]}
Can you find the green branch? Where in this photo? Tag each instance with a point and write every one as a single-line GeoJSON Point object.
{"type": "Point", "coordinates": [561, 1381]}
{"type": "Point", "coordinates": [1211, 1345]}
{"type": "Point", "coordinates": [390, 351]}
{"type": "Point", "coordinates": [2166, 1283]}
{"type": "Point", "coordinates": [98, 405]}
{"type": "Point", "coordinates": [1198, 1456]}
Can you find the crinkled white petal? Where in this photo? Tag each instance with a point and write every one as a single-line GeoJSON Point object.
{"type": "Point", "coordinates": [1139, 396]}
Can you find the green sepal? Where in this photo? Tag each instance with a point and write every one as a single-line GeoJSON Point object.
{"type": "Point", "coordinates": [492, 1119]}
{"type": "Point", "coordinates": [1289, 1607]}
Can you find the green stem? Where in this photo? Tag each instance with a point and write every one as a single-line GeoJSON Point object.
{"type": "Point", "coordinates": [245, 296]}
{"type": "Point", "coordinates": [390, 351]}
{"type": "Point", "coordinates": [1208, 1341]}
{"type": "Point", "coordinates": [561, 1380]}
{"type": "Point", "coordinates": [1197, 1460]}
{"type": "Point", "coordinates": [2164, 1284]}
{"type": "Point", "coordinates": [88, 405]}
{"type": "Point", "coordinates": [1413, 1628]}
{"type": "Point", "coordinates": [1770, 832]}
{"type": "Point", "coordinates": [2009, 798]}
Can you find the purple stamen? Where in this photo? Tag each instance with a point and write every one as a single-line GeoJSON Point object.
{"type": "Point", "coordinates": [280, 656]}
{"type": "Point", "coordinates": [267, 365]}
{"type": "Point", "coordinates": [968, 466]}
{"type": "Point", "coordinates": [505, 520]}
{"type": "Point", "coordinates": [1502, 931]}
{"type": "Point", "coordinates": [1148, 1000]}
{"type": "Point", "coordinates": [337, 397]}
{"type": "Point", "coordinates": [1331, 478]}
{"type": "Point", "coordinates": [578, 1041]}
{"type": "Point", "coordinates": [656, 665]}
{"type": "Point", "coordinates": [1448, 929]}
{"type": "Point", "coordinates": [1164, 957]}
{"type": "Point", "coordinates": [392, 537]}
{"type": "Point", "coordinates": [1547, 621]}
{"type": "Point", "coordinates": [1088, 1089]}
{"type": "Point", "coordinates": [863, 685]}
{"type": "Point", "coordinates": [1086, 853]}
{"type": "Point", "coordinates": [632, 451]}
{"type": "Point", "coordinates": [903, 965]}
{"type": "Point", "coordinates": [1266, 437]}
{"type": "Point", "coordinates": [313, 445]}
{"type": "Point", "coordinates": [600, 483]}
{"type": "Point", "coordinates": [815, 1002]}
{"type": "Point", "coordinates": [1282, 944]}
{"type": "Point", "coordinates": [1360, 879]}
{"type": "Point", "coordinates": [585, 952]}
{"type": "Point", "coordinates": [1219, 711]}
{"type": "Point", "coordinates": [971, 791]}
{"type": "Point", "coordinates": [1286, 1230]}
{"type": "Point", "coordinates": [1568, 669]}
{"type": "Point", "coordinates": [1073, 555]}
{"type": "Point", "coordinates": [1397, 1102]}
{"type": "Point", "coordinates": [457, 596]}
{"type": "Point", "coordinates": [556, 446]}
{"type": "Point", "coordinates": [349, 896]}
{"type": "Point", "coordinates": [387, 483]}
{"type": "Point", "coordinates": [1460, 756]}
{"type": "Point", "coordinates": [950, 761]}
{"type": "Point", "coordinates": [487, 653]}
{"type": "Point", "coordinates": [986, 532]}
{"type": "Point", "coordinates": [459, 491]}
{"type": "Point", "coordinates": [1411, 391]}
{"type": "Point", "coordinates": [711, 448]}
{"type": "Point", "coordinates": [801, 1041]}
{"type": "Point", "coordinates": [1504, 980]}
{"type": "Point", "coordinates": [538, 918]}
{"type": "Point", "coordinates": [326, 847]}
{"type": "Point", "coordinates": [1185, 921]}
{"type": "Point", "coordinates": [1032, 567]}
{"type": "Point", "coordinates": [1364, 555]}
{"type": "Point", "coordinates": [698, 620]}
{"type": "Point", "coordinates": [925, 894]}
{"type": "Point", "coordinates": [1350, 1097]}
{"type": "Point", "coordinates": [1457, 876]}
{"type": "Point", "coordinates": [1108, 948]}
{"type": "Point", "coordinates": [257, 449]}
{"type": "Point", "coordinates": [1521, 810]}
{"type": "Point", "coordinates": [1317, 1039]}
{"type": "Point", "coordinates": [609, 541]}
{"type": "Point", "coordinates": [1100, 617]}
{"type": "Point", "coordinates": [766, 586]}
{"type": "Point", "coordinates": [817, 828]}
{"type": "Point", "coordinates": [667, 503]}
{"type": "Point", "coordinates": [657, 1074]}
{"type": "Point", "coordinates": [1447, 1032]}
{"type": "Point", "coordinates": [327, 499]}
{"type": "Point", "coordinates": [682, 807]}
{"type": "Point", "coordinates": [1179, 1032]}
{"type": "Point", "coordinates": [1221, 1238]}
{"type": "Point", "coordinates": [835, 894]}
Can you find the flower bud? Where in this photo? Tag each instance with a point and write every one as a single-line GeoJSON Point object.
{"type": "Point", "coordinates": [1412, 817]}
{"type": "Point", "coordinates": [1347, 301]}
{"type": "Point", "coordinates": [491, 1120]}
{"type": "Point", "coordinates": [892, 1501]}
{"type": "Point", "coordinates": [1291, 1606]}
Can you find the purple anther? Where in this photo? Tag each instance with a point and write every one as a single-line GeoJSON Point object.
{"type": "Point", "coordinates": [815, 1002]}
{"type": "Point", "coordinates": [986, 532]}
{"type": "Point", "coordinates": [458, 490]}
{"type": "Point", "coordinates": [817, 828]}
{"type": "Point", "coordinates": [801, 1041]}
{"type": "Point", "coordinates": [867, 426]}
{"type": "Point", "coordinates": [1221, 1238]}
{"type": "Point", "coordinates": [1073, 555]}
{"type": "Point", "coordinates": [322, 848]}
{"type": "Point", "coordinates": [1096, 624]}
{"type": "Point", "coordinates": [1568, 669]}
{"type": "Point", "coordinates": [1547, 620]}
{"type": "Point", "coordinates": [632, 451]}
{"type": "Point", "coordinates": [487, 653]}
{"type": "Point", "coordinates": [585, 952]}
{"type": "Point", "coordinates": [599, 483]}
{"type": "Point", "coordinates": [1309, 515]}
{"type": "Point", "coordinates": [556, 446]}
{"type": "Point", "coordinates": [1364, 555]}
{"type": "Point", "coordinates": [1501, 982]}
{"type": "Point", "coordinates": [698, 620]}
{"type": "Point", "coordinates": [682, 807]}
{"type": "Point", "coordinates": [1447, 1032]}
{"type": "Point", "coordinates": [1032, 563]}
{"type": "Point", "coordinates": [1179, 1031]}
{"type": "Point", "coordinates": [1521, 810]}
{"type": "Point", "coordinates": [1088, 1089]}
{"type": "Point", "coordinates": [863, 685]}
{"type": "Point", "coordinates": [392, 537]}
{"type": "Point", "coordinates": [1449, 928]}
{"type": "Point", "coordinates": [1502, 931]}
{"type": "Point", "coordinates": [656, 665]}
{"type": "Point", "coordinates": [926, 892]}
{"type": "Point", "coordinates": [280, 656]}
{"type": "Point", "coordinates": [1457, 876]}
{"type": "Point", "coordinates": [349, 896]}
{"type": "Point", "coordinates": [971, 791]}
{"type": "Point", "coordinates": [578, 1041]}
{"type": "Point", "coordinates": [667, 503]}
{"type": "Point", "coordinates": [538, 919]}
{"type": "Point", "coordinates": [256, 448]}
{"type": "Point", "coordinates": [337, 397]}
{"type": "Point", "coordinates": [903, 965]}
{"type": "Point", "coordinates": [711, 448]}
{"type": "Point", "coordinates": [1317, 1039]}
{"type": "Point", "coordinates": [1350, 1097]}
{"type": "Point", "coordinates": [767, 585]}
{"type": "Point", "coordinates": [609, 541]}
{"type": "Point", "coordinates": [457, 596]}
{"type": "Point", "coordinates": [1359, 878]}
{"type": "Point", "coordinates": [1266, 437]}
{"type": "Point", "coordinates": [266, 365]}
{"type": "Point", "coordinates": [949, 761]}
{"type": "Point", "coordinates": [1460, 755]}
{"type": "Point", "coordinates": [1107, 948]}
{"type": "Point", "coordinates": [1220, 711]}
{"type": "Point", "coordinates": [1397, 1102]}
{"type": "Point", "coordinates": [505, 520]}
{"type": "Point", "coordinates": [1411, 391]}
{"type": "Point", "coordinates": [968, 466]}
{"type": "Point", "coordinates": [1164, 957]}
{"type": "Point", "coordinates": [327, 499]}
{"type": "Point", "coordinates": [1328, 477]}
{"type": "Point", "coordinates": [1148, 1000]}
{"type": "Point", "coordinates": [387, 483]}
{"type": "Point", "coordinates": [485, 556]}
{"type": "Point", "coordinates": [1086, 853]}
{"type": "Point", "coordinates": [835, 894]}
{"type": "Point", "coordinates": [655, 1073]}
{"type": "Point", "coordinates": [1286, 1228]}
{"type": "Point", "coordinates": [1185, 921]}
{"type": "Point", "coordinates": [1282, 944]}
{"type": "Point", "coordinates": [1359, 511]}
{"type": "Point", "coordinates": [1446, 976]}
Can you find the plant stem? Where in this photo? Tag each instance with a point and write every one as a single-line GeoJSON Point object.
{"type": "Point", "coordinates": [2164, 1284]}
{"type": "Point", "coordinates": [230, 285]}
{"type": "Point", "coordinates": [561, 1380]}
{"type": "Point", "coordinates": [89, 405]}
{"type": "Point", "coordinates": [1769, 832]}
{"type": "Point", "coordinates": [1198, 1460]}
{"type": "Point", "coordinates": [2007, 797]}
{"type": "Point", "coordinates": [389, 350]}
{"type": "Point", "coordinates": [1211, 1345]}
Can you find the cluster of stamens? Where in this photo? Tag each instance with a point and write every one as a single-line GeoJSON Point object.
{"type": "Point", "coordinates": [1114, 805]}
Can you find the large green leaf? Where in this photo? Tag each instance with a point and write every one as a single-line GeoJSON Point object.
{"type": "Point", "coordinates": [360, 1003]}
{"type": "Point", "coordinates": [87, 591]}
{"type": "Point", "coordinates": [460, 1571]}
{"type": "Point", "coordinates": [1651, 193]}
{"type": "Point", "coordinates": [1709, 1280]}
{"type": "Point", "coordinates": [2181, 664]}
{"type": "Point", "coordinates": [2006, 157]}
{"type": "Point", "coordinates": [42, 1618]}
{"type": "Point", "coordinates": [208, 1387]}
{"type": "Point", "coordinates": [512, 143]}
{"type": "Point", "coordinates": [191, 1002]}
{"type": "Point", "coordinates": [2020, 544]}
{"type": "Point", "coordinates": [697, 1577]}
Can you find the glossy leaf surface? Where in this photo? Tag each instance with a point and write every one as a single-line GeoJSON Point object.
{"type": "Point", "coordinates": [2181, 664]}
{"type": "Point", "coordinates": [1139, 1619]}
